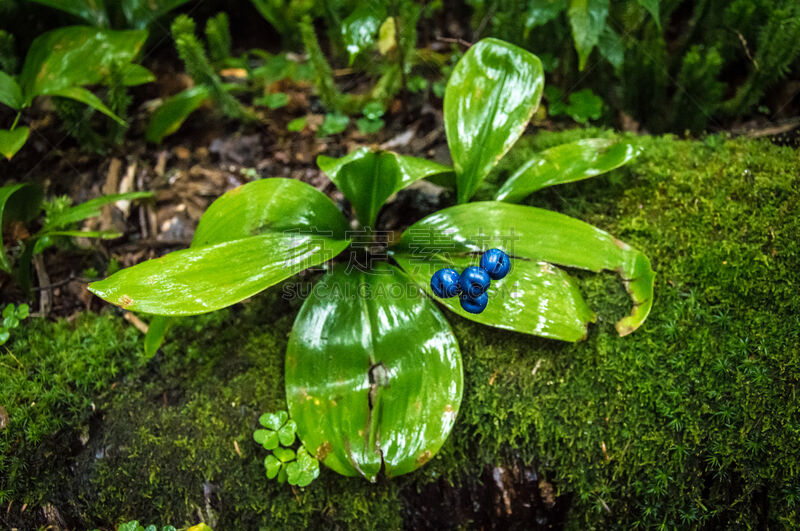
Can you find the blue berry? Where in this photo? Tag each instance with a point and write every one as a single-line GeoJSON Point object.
{"type": "Point", "coordinates": [444, 283]}
{"type": "Point", "coordinates": [474, 304]}
{"type": "Point", "coordinates": [474, 281]}
{"type": "Point", "coordinates": [496, 263]}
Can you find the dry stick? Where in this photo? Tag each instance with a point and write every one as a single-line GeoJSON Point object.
{"type": "Point", "coordinates": [46, 295]}
{"type": "Point", "coordinates": [460, 41]}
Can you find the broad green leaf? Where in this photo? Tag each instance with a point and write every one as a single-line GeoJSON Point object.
{"type": "Point", "coordinates": [273, 421]}
{"type": "Point", "coordinates": [541, 12]}
{"type": "Point", "coordinates": [12, 141]}
{"type": "Point", "coordinates": [491, 95]}
{"type": "Point", "coordinates": [89, 209]}
{"type": "Point", "coordinates": [18, 202]}
{"type": "Point", "coordinates": [102, 234]}
{"type": "Point", "coordinates": [565, 164]}
{"type": "Point", "coordinates": [75, 56]}
{"type": "Point", "coordinates": [92, 11]}
{"type": "Point", "coordinates": [156, 332]}
{"type": "Point", "coordinates": [373, 373]}
{"type": "Point", "coordinates": [274, 205]}
{"type": "Point", "coordinates": [134, 74]}
{"type": "Point", "coordinates": [360, 27]}
{"type": "Point", "coordinates": [173, 112]}
{"type": "Point", "coordinates": [140, 13]}
{"type": "Point", "coordinates": [10, 93]}
{"type": "Point", "coordinates": [534, 298]}
{"type": "Point", "coordinates": [368, 178]}
{"type": "Point", "coordinates": [610, 46]}
{"type": "Point", "coordinates": [207, 278]}
{"type": "Point", "coordinates": [587, 19]}
{"type": "Point", "coordinates": [537, 235]}
{"type": "Point", "coordinates": [652, 7]}
{"type": "Point", "coordinates": [272, 465]}
{"type": "Point", "coordinates": [84, 96]}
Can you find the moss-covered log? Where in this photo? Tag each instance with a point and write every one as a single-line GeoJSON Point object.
{"type": "Point", "coordinates": [693, 420]}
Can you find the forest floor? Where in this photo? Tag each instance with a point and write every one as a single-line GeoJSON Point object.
{"type": "Point", "coordinates": [689, 421]}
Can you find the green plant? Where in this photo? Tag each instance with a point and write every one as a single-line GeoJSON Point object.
{"type": "Point", "coordinates": [710, 62]}
{"type": "Point", "coordinates": [12, 315]}
{"type": "Point", "coordinates": [125, 14]}
{"type": "Point", "coordinates": [377, 37]}
{"type": "Point", "coordinates": [60, 63]}
{"type": "Point", "coordinates": [208, 84]}
{"type": "Point", "coordinates": [385, 394]}
{"type": "Point", "coordinates": [297, 467]}
{"type": "Point", "coordinates": [22, 203]}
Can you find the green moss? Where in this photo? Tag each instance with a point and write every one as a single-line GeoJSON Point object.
{"type": "Point", "coordinates": [693, 420]}
{"type": "Point", "coordinates": [52, 373]}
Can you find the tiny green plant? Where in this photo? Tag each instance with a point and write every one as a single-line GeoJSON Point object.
{"type": "Point", "coordinates": [12, 315]}
{"type": "Point", "coordinates": [123, 14]}
{"type": "Point", "coordinates": [23, 203]}
{"type": "Point", "coordinates": [298, 467]}
{"type": "Point", "coordinates": [373, 371]}
{"type": "Point", "coordinates": [61, 63]}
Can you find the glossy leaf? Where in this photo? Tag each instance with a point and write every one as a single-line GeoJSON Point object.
{"type": "Point", "coordinates": [275, 205]}
{"type": "Point", "coordinates": [272, 465]}
{"type": "Point", "coordinates": [18, 202]}
{"type": "Point", "coordinates": [534, 298]}
{"type": "Point", "coordinates": [140, 13]}
{"type": "Point", "coordinates": [174, 111]}
{"type": "Point", "coordinates": [88, 209]}
{"type": "Point", "coordinates": [75, 56]}
{"type": "Point", "coordinates": [360, 27]}
{"type": "Point", "coordinates": [652, 7]}
{"type": "Point", "coordinates": [368, 178]}
{"type": "Point", "coordinates": [12, 141]}
{"type": "Point", "coordinates": [284, 455]}
{"type": "Point", "coordinates": [156, 332]}
{"type": "Point", "coordinates": [373, 373]}
{"type": "Point", "coordinates": [92, 11]}
{"type": "Point", "coordinates": [539, 236]}
{"type": "Point", "coordinates": [133, 75]}
{"type": "Point", "coordinates": [207, 278]}
{"type": "Point", "coordinates": [490, 97]}
{"type": "Point", "coordinates": [566, 163]}
{"type": "Point", "coordinates": [286, 434]}
{"type": "Point", "coordinates": [273, 421]}
{"type": "Point", "coordinates": [84, 96]}
{"type": "Point", "coordinates": [10, 92]}
{"type": "Point", "coordinates": [587, 19]}
{"type": "Point", "coordinates": [541, 12]}
{"type": "Point", "coordinates": [304, 470]}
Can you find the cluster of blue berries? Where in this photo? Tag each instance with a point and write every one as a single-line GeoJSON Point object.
{"type": "Point", "coordinates": [471, 285]}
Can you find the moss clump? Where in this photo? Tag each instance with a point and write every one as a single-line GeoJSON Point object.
{"type": "Point", "coordinates": [690, 421]}
{"type": "Point", "coordinates": [51, 376]}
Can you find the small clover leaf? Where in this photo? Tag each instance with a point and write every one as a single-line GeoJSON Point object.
{"type": "Point", "coordinates": [266, 438]}
{"type": "Point", "coordinates": [23, 311]}
{"type": "Point", "coordinates": [272, 465]}
{"type": "Point", "coordinates": [277, 429]}
{"type": "Point", "coordinates": [287, 433]}
{"type": "Point", "coordinates": [304, 470]}
{"type": "Point", "coordinates": [273, 421]}
{"type": "Point", "coordinates": [284, 455]}
{"type": "Point", "coordinates": [9, 311]}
